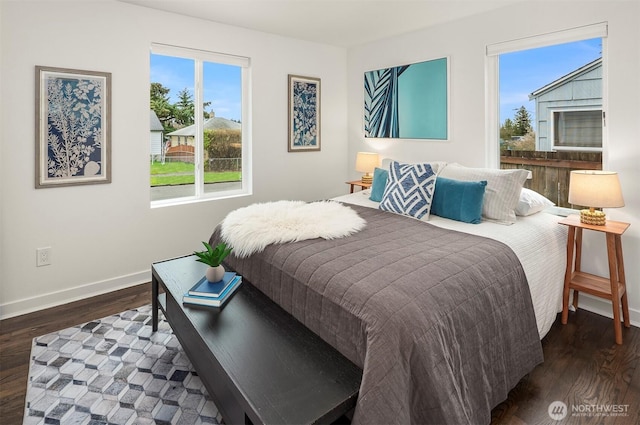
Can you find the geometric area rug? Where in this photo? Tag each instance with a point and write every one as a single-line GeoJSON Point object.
{"type": "Point", "coordinates": [115, 371]}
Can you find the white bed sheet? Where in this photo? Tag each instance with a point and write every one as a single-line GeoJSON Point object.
{"type": "Point", "coordinates": [538, 241]}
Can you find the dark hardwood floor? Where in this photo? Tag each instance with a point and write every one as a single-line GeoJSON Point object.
{"type": "Point", "coordinates": [585, 369]}
{"type": "Point", "coordinates": [17, 333]}
{"type": "Point", "coordinates": [583, 366]}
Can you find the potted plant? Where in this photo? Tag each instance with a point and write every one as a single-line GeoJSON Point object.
{"type": "Point", "coordinates": [213, 258]}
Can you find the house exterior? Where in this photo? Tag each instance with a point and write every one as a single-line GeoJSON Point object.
{"type": "Point", "coordinates": [181, 143]}
{"type": "Point", "coordinates": [569, 111]}
{"type": "Point", "coordinates": [156, 138]}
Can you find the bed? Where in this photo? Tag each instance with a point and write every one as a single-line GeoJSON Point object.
{"type": "Point", "coordinates": [538, 241]}
{"type": "Point", "coordinates": [443, 317]}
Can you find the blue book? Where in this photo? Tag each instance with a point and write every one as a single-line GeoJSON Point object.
{"type": "Point", "coordinates": [204, 288]}
{"type": "Point", "coordinates": [214, 301]}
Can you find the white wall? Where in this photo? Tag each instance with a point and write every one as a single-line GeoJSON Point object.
{"type": "Point", "coordinates": [464, 42]}
{"type": "Point", "coordinates": [106, 236]}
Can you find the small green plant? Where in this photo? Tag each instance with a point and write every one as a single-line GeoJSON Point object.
{"type": "Point", "coordinates": [213, 257]}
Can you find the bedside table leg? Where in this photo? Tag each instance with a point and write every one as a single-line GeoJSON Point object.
{"type": "Point", "coordinates": [568, 272]}
{"type": "Point", "coordinates": [623, 281]}
{"type": "Point", "coordinates": [577, 263]}
{"type": "Point", "coordinates": [613, 278]}
{"type": "Point", "coordinates": [625, 311]}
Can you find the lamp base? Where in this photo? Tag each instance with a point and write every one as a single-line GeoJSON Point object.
{"type": "Point", "coordinates": [593, 217]}
{"type": "Point", "coordinates": [367, 178]}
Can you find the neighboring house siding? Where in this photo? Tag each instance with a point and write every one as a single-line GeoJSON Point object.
{"type": "Point", "coordinates": [156, 142]}
{"type": "Point", "coordinates": [155, 137]}
{"type": "Point", "coordinates": [582, 91]}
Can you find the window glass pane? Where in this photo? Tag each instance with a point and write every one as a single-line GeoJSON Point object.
{"type": "Point", "coordinates": [172, 151]}
{"type": "Point", "coordinates": [578, 129]}
{"type": "Point", "coordinates": [222, 154]}
{"type": "Point", "coordinates": [550, 101]}
{"type": "Point", "coordinates": [196, 141]}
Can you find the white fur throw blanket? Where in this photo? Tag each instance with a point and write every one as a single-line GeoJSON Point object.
{"type": "Point", "coordinates": [252, 228]}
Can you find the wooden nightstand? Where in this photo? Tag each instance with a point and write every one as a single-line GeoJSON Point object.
{"type": "Point", "coordinates": [613, 288]}
{"type": "Point", "coordinates": [358, 183]}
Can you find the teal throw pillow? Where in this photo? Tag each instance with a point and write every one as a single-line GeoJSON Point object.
{"type": "Point", "coordinates": [458, 200]}
{"type": "Point", "coordinates": [380, 177]}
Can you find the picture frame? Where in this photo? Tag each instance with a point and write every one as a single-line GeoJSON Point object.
{"type": "Point", "coordinates": [408, 101]}
{"type": "Point", "coordinates": [304, 114]}
{"type": "Point", "coordinates": [73, 127]}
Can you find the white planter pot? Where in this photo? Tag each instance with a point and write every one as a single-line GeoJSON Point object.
{"type": "Point", "coordinates": [214, 274]}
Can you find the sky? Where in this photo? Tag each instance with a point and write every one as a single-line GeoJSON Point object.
{"type": "Point", "coordinates": [522, 73]}
{"type": "Point", "coordinates": [222, 83]}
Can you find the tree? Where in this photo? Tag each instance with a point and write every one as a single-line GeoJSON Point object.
{"type": "Point", "coordinates": [517, 134]}
{"type": "Point", "coordinates": [159, 96]}
{"type": "Point", "coordinates": [179, 114]}
{"type": "Point", "coordinates": [184, 108]}
{"type": "Point", "coordinates": [507, 130]}
{"type": "Point", "coordinates": [522, 122]}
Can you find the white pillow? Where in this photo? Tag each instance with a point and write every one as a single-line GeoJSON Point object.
{"type": "Point", "coordinates": [502, 193]}
{"type": "Point", "coordinates": [531, 202]}
{"type": "Point", "coordinates": [436, 166]}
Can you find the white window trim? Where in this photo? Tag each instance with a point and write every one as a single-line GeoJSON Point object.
{"type": "Point", "coordinates": [200, 56]}
{"type": "Point", "coordinates": [599, 30]}
{"type": "Point", "coordinates": [492, 79]}
{"type": "Point", "coordinates": [552, 124]}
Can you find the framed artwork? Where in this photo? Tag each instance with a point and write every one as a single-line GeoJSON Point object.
{"type": "Point", "coordinates": [73, 127]}
{"type": "Point", "coordinates": [304, 114]}
{"type": "Point", "coordinates": [408, 101]}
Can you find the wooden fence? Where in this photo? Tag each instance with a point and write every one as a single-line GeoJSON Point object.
{"type": "Point", "coordinates": [550, 170]}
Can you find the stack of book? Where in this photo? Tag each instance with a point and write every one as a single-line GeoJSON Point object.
{"type": "Point", "coordinates": [213, 294]}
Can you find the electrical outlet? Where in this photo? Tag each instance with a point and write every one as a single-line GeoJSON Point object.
{"type": "Point", "coordinates": [43, 256]}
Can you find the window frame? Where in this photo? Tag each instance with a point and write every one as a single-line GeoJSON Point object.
{"type": "Point", "coordinates": [199, 57]}
{"type": "Point", "coordinates": [552, 126]}
{"type": "Point", "coordinates": [492, 79]}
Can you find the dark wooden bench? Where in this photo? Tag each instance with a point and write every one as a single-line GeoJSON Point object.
{"type": "Point", "coordinates": [259, 364]}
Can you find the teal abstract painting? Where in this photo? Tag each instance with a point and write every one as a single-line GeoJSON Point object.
{"type": "Point", "coordinates": [408, 101]}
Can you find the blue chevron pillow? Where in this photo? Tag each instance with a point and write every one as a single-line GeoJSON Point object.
{"type": "Point", "coordinates": [409, 189]}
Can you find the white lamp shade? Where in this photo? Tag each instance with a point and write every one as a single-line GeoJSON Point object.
{"type": "Point", "coordinates": [597, 189]}
{"type": "Point", "coordinates": [366, 162]}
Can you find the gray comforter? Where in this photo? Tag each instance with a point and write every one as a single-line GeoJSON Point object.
{"type": "Point", "coordinates": [441, 322]}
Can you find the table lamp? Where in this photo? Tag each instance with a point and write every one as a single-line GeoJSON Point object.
{"type": "Point", "coordinates": [595, 189]}
{"type": "Point", "coordinates": [366, 162]}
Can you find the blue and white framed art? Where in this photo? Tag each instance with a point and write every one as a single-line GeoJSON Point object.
{"type": "Point", "coordinates": [304, 114]}
{"type": "Point", "coordinates": [73, 127]}
{"type": "Point", "coordinates": [408, 101]}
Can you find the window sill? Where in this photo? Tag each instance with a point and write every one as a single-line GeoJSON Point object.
{"type": "Point", "coordinates": [195, 200]}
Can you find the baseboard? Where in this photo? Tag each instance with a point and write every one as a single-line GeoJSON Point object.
{"type": "Point", "coordinates": [53, 299]}
{"type": "Point", "coordinates": [603, 308]}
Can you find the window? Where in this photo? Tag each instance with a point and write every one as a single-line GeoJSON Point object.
{"type": "Point", "coordinates": [200, 139]}
{"type": "Point", "coordinates": [546, 104]}
{"type": "Point", "coordinates": [577, 130]}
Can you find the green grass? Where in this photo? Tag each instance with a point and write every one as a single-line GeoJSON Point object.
{"type": "Point", "coordinates": [171, 167]}
{"type": "Point", "coordinates": [174, 173]}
